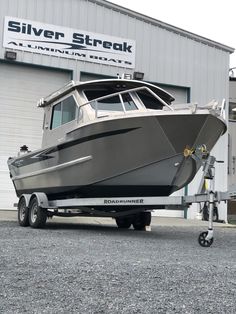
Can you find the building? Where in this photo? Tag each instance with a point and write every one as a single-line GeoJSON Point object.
{"type": "Point", "coordinates": [46, 43]}
{"type": "Point", "coordinates": [232, 145]}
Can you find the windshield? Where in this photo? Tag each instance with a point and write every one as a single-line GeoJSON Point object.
{"type": "Point", "coordinates": [149, 101]}
{"type": "Point", "coordinates": [113, 103]}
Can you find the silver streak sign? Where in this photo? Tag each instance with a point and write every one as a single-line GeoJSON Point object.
{"type": "Point", "coordinates": [69, 43]}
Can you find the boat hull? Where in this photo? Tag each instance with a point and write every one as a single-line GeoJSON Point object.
{"type": "Point", "coordinates": [131, 156]}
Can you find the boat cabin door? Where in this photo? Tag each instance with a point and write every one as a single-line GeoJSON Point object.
{"type": "Point", "coordinates": [60, 118]}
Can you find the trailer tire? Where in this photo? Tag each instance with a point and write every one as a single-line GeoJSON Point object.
{"type": "Point", "coordinates": [142, 220]}
{"type": "Point", "coordinates": [37, 214]}
{"type": "Point", "coordinates": [23, 213]}
{"type": "Point", "coordinates": [123, 222]}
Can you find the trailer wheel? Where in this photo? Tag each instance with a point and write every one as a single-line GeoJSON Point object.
{"type": "Point", "coordinates": [37, 214]}
{"type": "Point", "coordinates": [23, 213]}
{"type": "Point", "coordinates": [123, 222]}
{"type": "Point", "coordinates": [142, 220]}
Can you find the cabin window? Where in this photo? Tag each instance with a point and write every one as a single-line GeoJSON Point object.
{"type": "Point", "coordinates": [68, 109]}
{"type": "Point", "coordinates": [112, 103]}
{"type": "Point", "coordinates": [128, 102]}
{"type": "Point", "coordinates": [108, 104]}
{"type": "Point", "coordinates": [63, 112]}
{"type": "Point", "coordinates": [56, 116]}
{"type": "Point", "coordinates": [149, 101]}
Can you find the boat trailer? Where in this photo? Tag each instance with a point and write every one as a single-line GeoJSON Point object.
{"type": "Point", "coordinates": [34, 209]}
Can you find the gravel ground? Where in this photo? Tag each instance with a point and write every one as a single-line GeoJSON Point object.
{"type": "Point", "coordinates": [81, 268]}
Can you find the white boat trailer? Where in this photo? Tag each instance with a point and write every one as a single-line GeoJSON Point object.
{"type": "Point", "coordinates": [34, 209]}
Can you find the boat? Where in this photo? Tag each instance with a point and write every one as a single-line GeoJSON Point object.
{"type": "Point", "coordinates": [116, 138]}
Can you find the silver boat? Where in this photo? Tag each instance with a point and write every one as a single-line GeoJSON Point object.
{"type": "Point", "coordinates": [117, 137]}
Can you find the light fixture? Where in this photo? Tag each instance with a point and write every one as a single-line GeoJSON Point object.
{"type": "Point", "coordinates": [126, 76]}
{"type": "Point", "coordinates": [138, 75]}
{"type": "Point", "coordinates": [10, 55]}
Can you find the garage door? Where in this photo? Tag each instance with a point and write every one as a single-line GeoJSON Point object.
{"type": "Point", "coordinates": [20, 120]}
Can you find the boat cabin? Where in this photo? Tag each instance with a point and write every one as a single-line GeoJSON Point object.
{"type": "Point", "coordinates": [78, 104]}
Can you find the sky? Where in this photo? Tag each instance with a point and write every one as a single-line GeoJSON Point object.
{"type": "Point", "coordinates": [213, 19]}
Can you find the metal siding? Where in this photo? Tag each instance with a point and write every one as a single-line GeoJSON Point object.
{"type": "Point", "coordinates": [21, 120]}
{"type": "Point", "coordinates": [162, 55]}
{"type": "Point", "coordinates": [180, 94]}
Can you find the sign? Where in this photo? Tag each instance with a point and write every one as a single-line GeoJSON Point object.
{"type": "Point", "coordinates": [69, 43]}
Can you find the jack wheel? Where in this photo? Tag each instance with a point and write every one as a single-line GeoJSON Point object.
{"type": "Point", "coordinates": [202, 240]}
{"type": "Point", "coordinates": [37, 214]}
{"type": "Point", "coordinates": [23, 213]}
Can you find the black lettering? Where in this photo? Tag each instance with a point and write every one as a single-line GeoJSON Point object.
{"type": "Point", "coordinates": [97, 41]}
{"type": "Point", "coordinates": [126, 47]}
{"type": "Point", "coordinates": [117, 46]}
{"type": "Point", "coordinates": [113, 60]}
{"type": "Point", "coordinates": [88, 40]}
{"type": "Point", "coordinates": [78, 38]}
{"type": "Point", "coordinates": [93, 57]}
{"type": "Point", "coordinates": [43, 48]}
{"type": "Point", "coordinates": [14, 26]}
{"type": "Point", "coordinates": [37, 32]}
{"type": "Point", "coordinates": [128, 62]}
{"type": "Point", "coordinates": [107, 44]}
{"type": "Point", "coordinates": [80, 55]}
{"type": "Point", "coordinates": [12, 43]}
{"type": "Point", "coordinates": [57, 35]}
{"type": "Point", "coordinates": [29, 29]}
{"type": "Point", "coordinates": [23, 29]}
{"type": "Point", "coordinates": [48, 34]}
{"type": "Point", "coordinates": [103, 58]}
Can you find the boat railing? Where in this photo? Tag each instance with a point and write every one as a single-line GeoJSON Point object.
{"type": "Point", "coordinates": [120, 93]}
{"type": "Point", "coordinates": [58, 93]}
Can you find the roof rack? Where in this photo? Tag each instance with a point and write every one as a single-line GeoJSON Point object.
{"type": "Point", "coordinates": [43, 102]}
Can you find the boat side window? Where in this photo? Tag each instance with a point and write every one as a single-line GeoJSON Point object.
{"type": "Point", "coordinates": [63, 112]}
{"type": "Point", "coordinates": [56, 116]}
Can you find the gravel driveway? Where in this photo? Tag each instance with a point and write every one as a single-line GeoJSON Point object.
{"type": "Point", "coordinates": [82, 268]}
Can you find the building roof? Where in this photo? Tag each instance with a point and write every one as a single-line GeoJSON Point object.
{"type": "Point", "coordinates": [163, 25]}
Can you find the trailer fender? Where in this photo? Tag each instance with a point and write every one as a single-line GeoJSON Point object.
{"type": "Point", "coordinates": [27, 199]}
{"type": "Point", "coordinates": [41, 198]}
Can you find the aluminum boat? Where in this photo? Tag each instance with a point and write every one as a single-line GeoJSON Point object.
{"type": "Point", "coordinates": [116, 137]}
